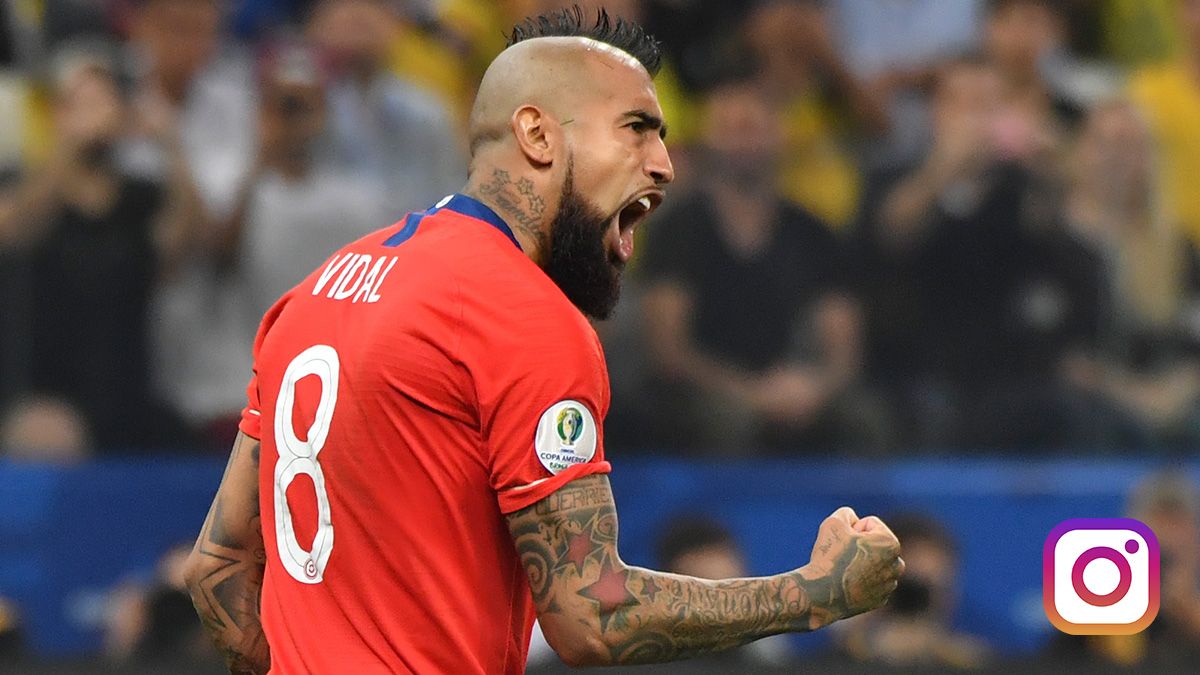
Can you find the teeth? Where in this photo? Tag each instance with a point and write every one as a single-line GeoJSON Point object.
{"type": "Point", "coordinates": [645, 202]}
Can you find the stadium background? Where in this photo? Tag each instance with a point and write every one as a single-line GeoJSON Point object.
{"type": "Point", "coordinates": [978, 316]}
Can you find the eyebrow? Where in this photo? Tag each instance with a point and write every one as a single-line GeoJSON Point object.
{"type": "Point", "coordinates": [652, 121]}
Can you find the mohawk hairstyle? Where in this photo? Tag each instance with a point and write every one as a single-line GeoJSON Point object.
{"type": "Point", "coordinates": [572, 21]}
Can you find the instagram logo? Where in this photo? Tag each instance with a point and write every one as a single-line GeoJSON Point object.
{"type": "Point", "coordinates": [1100, 576]}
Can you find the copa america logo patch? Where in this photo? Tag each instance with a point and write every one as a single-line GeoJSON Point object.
{"type": "Point", "coordinates": [566, 436]}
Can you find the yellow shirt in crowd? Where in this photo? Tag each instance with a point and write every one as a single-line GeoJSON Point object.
{"type": "Point", "coordinates": [818, 173]}
{"type": "Point", "coordinates": [1169, 95]}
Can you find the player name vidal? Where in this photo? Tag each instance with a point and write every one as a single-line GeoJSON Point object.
{"type": "Point", "coordinates": [359, 279]}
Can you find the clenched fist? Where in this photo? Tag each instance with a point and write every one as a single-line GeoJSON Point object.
{"type": "Point", "coordinates": [854, 568]}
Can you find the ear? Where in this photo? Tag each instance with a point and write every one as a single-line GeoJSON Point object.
{"type": "Point", "coordinates": [536, 134]}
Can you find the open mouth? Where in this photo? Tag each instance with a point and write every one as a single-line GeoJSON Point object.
{"type": "Point", "coordinates": [637, 210]}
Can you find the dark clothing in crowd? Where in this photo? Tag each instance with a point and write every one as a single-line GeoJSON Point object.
{"type": "Point", "coordinates": [746, 309]}
{"type": "Point", "coordinates": [89, 282]}
{"type": "Point", "coordinates": [970, 322]}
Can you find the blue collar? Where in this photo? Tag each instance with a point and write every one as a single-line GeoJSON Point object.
{"type": "Point", "coordinates": [458, 203]}
{"type": "Point", "coordinates": [473, 208]}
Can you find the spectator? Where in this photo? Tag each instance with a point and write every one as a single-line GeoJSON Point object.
{"type": "Point", "coordinates": [178, 62]}
{"type": "Point", "coordinates": [1169, 94]}
{"type": "Point", "coordinates": [1148, 365]}
{"type": "Point", "coordinates": [42, 429]}
{"type": "Point", "coordinates": [699, 37]}
{"type": "Point", "coordinates": [895, 48]}
{"type": "Point", "coordinates": [802, 68]}
{"type": "Point", "coordinates": [380, 126]}
{"type": "Point", "coordinates": [977, 295]}
{"type": "Point", "coordinates": [12, 640]}
{"type": "Point", "coordinates": [1018, 37]}
{"type": "Point", "coordinates": [294, 209]}
{"type": "Point", "coordinates": [752, 338]}
{"type": "Point", "coordinates": [915, 629]}
{"type": "Point", "coordinates": [1169, 503]}
{"type": "Point", "coordinates": [701, 547]}
{"type": "Point", "coordinates": [95, 241]}
{"type": "Point", "coordinates": [446, 46]}
{"type": "Point", "coordinates": [154, 624]}
{"type": "Point", "coordinates": [183, 69]}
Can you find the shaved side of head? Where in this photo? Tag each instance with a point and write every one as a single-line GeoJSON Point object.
{"type": "Point", "coordinates": [550, 62]}
{"type": "Point", "coordinates": [550, 73]}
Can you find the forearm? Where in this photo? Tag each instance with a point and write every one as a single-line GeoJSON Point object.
{"type": "Point", "coordinates": [227, 600]}
{"type": "Point", "coordinates": [184, 216]}
{"type": "Point", "coordinates": [838, 323]}
{"type": "Point", "coordinates": [711, 374]}
{"type": "Point", "coordinates": [597, 610]}
{"type": "Point", "coordinates": [225, 569]}
{"type": "Point", "coordinates": [667, 307]}
{"type": "Point", "coordinates": [910, 204]}
{"type": "Point", "coordinates": [665, 617]}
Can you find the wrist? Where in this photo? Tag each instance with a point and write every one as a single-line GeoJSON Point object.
{"type": "Point", "coordinates": [820, 610]}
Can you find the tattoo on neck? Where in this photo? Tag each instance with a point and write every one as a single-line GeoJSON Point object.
{"type": "Point", "coordinates": [520, 201]}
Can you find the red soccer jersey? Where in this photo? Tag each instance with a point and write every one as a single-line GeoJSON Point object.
{"type": "Point", "coordinates": [427, 380]}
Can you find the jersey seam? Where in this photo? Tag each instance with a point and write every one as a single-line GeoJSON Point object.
{"type": "Point", "coordinates": [456, 354]}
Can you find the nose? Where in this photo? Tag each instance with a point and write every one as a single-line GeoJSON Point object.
{"type": "Point", "coordinates": [658, 164]}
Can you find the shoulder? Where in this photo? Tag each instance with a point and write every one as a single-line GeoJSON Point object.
{"type": "Point", "coordinates": [507, 300]}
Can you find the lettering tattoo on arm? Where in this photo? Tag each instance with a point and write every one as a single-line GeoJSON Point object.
{"type": "Point", "coordinates": [567, 544]}
{"type": "Point", "coordinates": [225, 571]}
{"type": "Point", "coordinates": [520, 201]}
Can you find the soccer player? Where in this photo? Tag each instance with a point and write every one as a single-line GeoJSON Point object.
{"type": "Point", "coordinates": [424, 437]}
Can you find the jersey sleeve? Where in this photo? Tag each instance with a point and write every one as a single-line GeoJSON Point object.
{"type": "Point", "coordinates": [251, 422]}
{"type": "Point", "coordinates": [543, 394]}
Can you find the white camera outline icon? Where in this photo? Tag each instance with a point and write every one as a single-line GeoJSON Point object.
{"type": "Point", "coordinates": [1076, 608]}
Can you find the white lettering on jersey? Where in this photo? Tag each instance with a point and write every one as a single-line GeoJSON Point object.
{"type": "Point", "coordinates": [345, 273]}
{"type": "Point", "coordinates": [368, 282]}
{"type": "Point", "coordinates": [374, 296]}
{"type": "Point", "coordinates": [358, 278]}
{"type": "Point", "coordinates": [353, 279]}
{"type": "Point", "coordinates": [331, 269]}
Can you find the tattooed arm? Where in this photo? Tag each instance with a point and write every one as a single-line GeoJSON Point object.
{"type": "Point", "coordinates": [596, 610]}
{"type": "Point", "coordinates": [225, 569]}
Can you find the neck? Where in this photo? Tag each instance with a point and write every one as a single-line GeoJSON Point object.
{"type": "Point", "coordinates": [524, 208]}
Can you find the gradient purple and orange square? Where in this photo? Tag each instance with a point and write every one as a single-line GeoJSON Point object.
{"type": "Point", "coordinates": [1127, 608]}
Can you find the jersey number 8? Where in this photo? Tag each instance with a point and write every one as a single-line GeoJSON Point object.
{"type": "Point", "coordinates": [299, 457]}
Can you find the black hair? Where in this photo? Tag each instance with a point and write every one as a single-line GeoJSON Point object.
{"type": "Point", "coordinates": [572, 21]}
{"type": "Point", "coordinates": [687, 534]}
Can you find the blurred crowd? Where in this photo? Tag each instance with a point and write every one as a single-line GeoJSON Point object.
{"type": "Point", "coordinates": [897, 225]}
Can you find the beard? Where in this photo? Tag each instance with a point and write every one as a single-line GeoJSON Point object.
{"type": "Point", "coordinates": [579, 262]}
